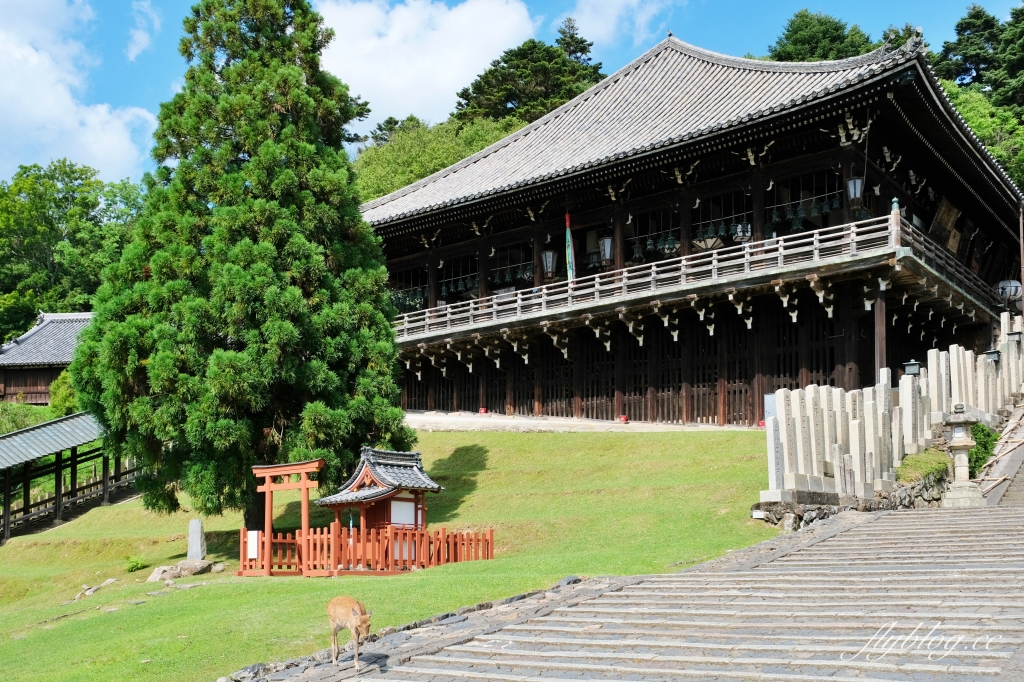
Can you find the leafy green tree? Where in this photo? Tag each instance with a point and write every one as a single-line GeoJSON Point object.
{"type": "Point", "coordinates": [59, 227]}
{"type": "Point", "coordinates": [63, 400]}
{"type": "Point", "coordinates": [247, 322]}
{"type": "Point", "coordinates": [413, 153]}
{"type": "Point", "coordinates": [974, 53]}
{"type": "Point", "coordinates": [528, 81]}
{"type": "Point", "coordinates": [999, 128]}
{"type": "Point", "coordinates": [384, 130]}
{"type": "Point", "coordinates": [1007, 79]}
{"type": "Point", "coordinates": [816, 36]}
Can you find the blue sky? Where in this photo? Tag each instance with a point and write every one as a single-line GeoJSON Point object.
{"type": "Point", "coordinates": [85, 78]}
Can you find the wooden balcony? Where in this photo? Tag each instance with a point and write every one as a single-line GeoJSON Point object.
{"type": "Point", "coordinates": [844, 248]}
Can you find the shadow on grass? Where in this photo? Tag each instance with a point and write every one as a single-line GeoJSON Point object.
{"type": "Point", "coordinates": [290, 519]}
{"type": "Point", "coordinates": [457, 473]}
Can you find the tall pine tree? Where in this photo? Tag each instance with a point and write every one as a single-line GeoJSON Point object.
{"type": "Point", "coordinates": [247, 322]}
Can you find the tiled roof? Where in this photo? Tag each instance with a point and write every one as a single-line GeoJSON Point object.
{"type": "Point", "coordinates": [396, 470]}
{"type": "Point", "coordinates": [51, 342]}
{"type": "Point", "coordinates": [672, 93]}
{"type": "Point", "coordinates": [47, 438]}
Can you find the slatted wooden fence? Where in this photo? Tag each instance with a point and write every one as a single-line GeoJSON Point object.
{"type": "Point", "coordinates": [336, 550]}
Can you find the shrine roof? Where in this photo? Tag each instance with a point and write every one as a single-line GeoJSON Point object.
{"type": "Point", "coordinates": [51, 342]}
{"type": "Point", "coordinates": [673, 93]}
{"type": "Point", "coordinates": [394, 471]}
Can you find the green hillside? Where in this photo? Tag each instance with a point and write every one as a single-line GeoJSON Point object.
{"type": "Point", "coordinates": [560, 504]}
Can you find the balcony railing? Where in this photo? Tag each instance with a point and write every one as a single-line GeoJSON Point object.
{"type": "Point", "coordinates": [827, 246]}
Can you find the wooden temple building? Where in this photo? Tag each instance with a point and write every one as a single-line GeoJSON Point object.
{"type": "Point", "coordinates": [697, 231]}
{"type": "Point", "coordinates": [387, 488]}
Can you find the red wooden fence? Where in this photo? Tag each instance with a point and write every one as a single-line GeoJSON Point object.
{"type": "Point", "coordinates": [336, 550]}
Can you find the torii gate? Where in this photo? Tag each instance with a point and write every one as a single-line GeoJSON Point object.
{"type": "Point", "coordinates": [270, 471]}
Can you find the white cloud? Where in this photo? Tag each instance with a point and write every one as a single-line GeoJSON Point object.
{"type": "Point", "coordinates": [412, 57]}
{"type": "Point", "coordinates": [147, 24]}
{"type": "Point", "coordinates": [604, 21]}
{"type": "Point", "coordinates": [41, 114]}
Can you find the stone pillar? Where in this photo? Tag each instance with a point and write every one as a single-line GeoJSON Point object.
{"type": "Point", "coordinates": [816, 431]}
{"type": "Point", "coordinates": [956, 396]}
{"type": "Point", "coordinates": [858, 451]}
{"type": "Point", "coordinates": [784, 411]}
{"type": "Point", "coordinates": [899, 442]}
{"type": "Point", "coordinates": [776, 467]}
{"type": "Point", "coordinates": [934, 394]}
{"type": "Point", "coordinates": [944, 388]}
{"type": "Point", "coordinates": [841, 418]}
{"type": "Point", "coordinates": [871, 438]}
{"type": "Point", "coordinates": [908, 403]}
{"type": "Point", "coordinates": [970, 385]}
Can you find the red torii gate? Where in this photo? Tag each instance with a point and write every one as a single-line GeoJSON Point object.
{"type": "Point", "coordinates": [270, 471]}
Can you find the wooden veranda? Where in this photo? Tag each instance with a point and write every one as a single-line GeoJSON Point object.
{"type": "Point", "coordinates": [36, 487]}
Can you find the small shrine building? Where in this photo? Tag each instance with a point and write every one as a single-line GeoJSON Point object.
{"type": "Point", "coordinates": [388, 488]}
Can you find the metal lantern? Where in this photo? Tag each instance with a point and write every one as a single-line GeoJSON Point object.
{"type": "Point", "coordinates": [722, 230]}
{"type": "Point", "coordinates": [595, 259]}
{"type": "Point", "coordinates": [775, 216]}
{"type": "Point", "coordinates": [508, 276]}
{"type": "Point", "coordinates": [638, 251]}
{"type": "Point", "coordinates": [547, 259]}
{"type": "Point", "coordinates": [462, 285]}
{"type": "Point", "coordinates": [444, 289]}
{"type": "Point", "coordinates": [670, 243]}
{"type": "Point", "coordinates": [836, 204]}
{"type": "Point", "coordinates": [789, 211]}
{"type": "Point", "coordinates": [661, 243]}
{"type": "Point", "coordinates": [519, 272]}
{"type": "Point", "coordinates": [528, 271]}
{"type": "Point", "coordinates": [800, 213]}
{"type": "Point", "coordinates": [815, 209]}
{"type": "Point", "coordinates": [605, 245]}
{"type": "Point", "coordinates": [650, 243]}
{"type": "Point", "coordinates": [912, 368]}
{"type": "Point", "coordinates": [855, 191]}
{"type": "Point", "coordinates": [740, 232]}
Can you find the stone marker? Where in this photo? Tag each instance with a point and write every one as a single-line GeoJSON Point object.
{"type": "Point", "coordinates": [898, 439]}
{"type": "Point", "coordinates": [784, 411]}
{"type": "Point", "coordinates": [196, 540]}
{"type": "Point", "coordinates": [851, 484]}
{"type": "Point", "coordinates": [969, 382]}
{"type": "Point", "coordinates": [934, 394]}
{"type": "Point", "coordinates": [955, 373]}
{"type": "Point", "coordinates": [775, 453]}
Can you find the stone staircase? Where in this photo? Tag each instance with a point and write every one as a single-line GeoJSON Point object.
{"type": "Point", "coordinates": [907, 596]}
{"type": "Point", "coordinates": [1014, 495]}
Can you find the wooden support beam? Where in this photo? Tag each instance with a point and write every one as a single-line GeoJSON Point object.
{"type": "Point", "coordinates": [7, 507]}
{"type": "Point", "coordinates": [618, 243]}
{"type": "Point", "coordinates": [634, 325]}
{"type": "Point", "coordinates": [880, 325]}
{"type": "Point", "coordinates": [620, 383]}
{"type": "Point", "coordinates": [538, 393]}
{"type": "Point", "coordinates": [106, 479]}
{"type": "Point", "coordinates": [58, 486]}
{"type": "Point", "coordinates": [73, 475]}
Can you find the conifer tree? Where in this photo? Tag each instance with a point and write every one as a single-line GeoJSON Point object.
{"type": "Point", "coordinates": [247, 322]}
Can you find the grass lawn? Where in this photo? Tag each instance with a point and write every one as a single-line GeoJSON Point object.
{"type": "Point", "coordinates": [560, 504]}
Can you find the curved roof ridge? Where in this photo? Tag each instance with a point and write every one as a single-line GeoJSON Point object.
{"type": "Point", "coordinates": [882, 53]}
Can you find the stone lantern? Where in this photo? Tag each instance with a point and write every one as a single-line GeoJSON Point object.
{"type": "Point", "coordinates": [962, 493]}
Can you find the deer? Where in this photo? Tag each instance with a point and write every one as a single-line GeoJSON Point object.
{"type": "Point", "coordinates": [346, 612]}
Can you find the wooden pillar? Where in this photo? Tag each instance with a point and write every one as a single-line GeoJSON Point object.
{"type": "Point", "coordinates": [723, 371]}
{"type": "Point", "coordinates": [620, 372]}
{"type": "Point", "coordinates": [756, 355]}
{"type": "Point", "coordinates": [757, 197]}
{"type": "Point", "coordinates": [268, 525]}
{"type": "Point", "coordinates": [482, 399]}
{"type": "Point", "coordinates": [685, 225]}
{"type": "Point", "coordinates": [652, 351]}
{"type": "Point", "coordinates": [538, 392]}
{"type": "Point", "coordinates": [538, 266]}
{"type": "Point", "coordinates": [431, 388]}
{"type": "Point", "coordinates": [483, 268]}
{"type": "Point", "coordinates": [804, 336]}
{"type": "Point", "coordinates": [73, 475]}
{"type": "Point", "coordinates": [106, 479]}
{"type": "Point", "coordinates": [456, 389]}
{"type": "Point", "coordinates": [577, 385]}
{"type": "Point", "coordinates": [58, 486]}
{"type": "Point", "coordinates": [846, 161]}
{"type": "Point", "coordinates": [26, 487]}
{"type": "Point", "coordinates": [686, 389]}
{"type": "Point", "coordinates": [117, 468]}
{"type": "Point", "coordinates": [304, 480]}
{"type": "Point", "coordinates": [618, 243]}
{"type": "Point", "coordinates": [7, 507]}
{"type": "Point", "coordinates": [879, 334]}
{"type": "Point", "coordinates": [510, 400]}
{"type": "Point", "coordinates": [431, 283]}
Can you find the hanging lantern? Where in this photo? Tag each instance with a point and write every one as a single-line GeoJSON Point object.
{"type": "Point", "coordinates": [670, 244]}
{"type": "Point", "coordinates": [800, 214]}
{"type": "Point", "coordinates": [661, 243]}
{"type": "Point", "coordinates": [529, 271]}
{"type": "Point", "coordinates": [775, 216]}
{"type": "Point", "coordinates": [740, 231]}
{"type": "Point", "coordinates": [638, 252]}
{"type": "Point", "coordinates": [519, 272]}
{"type": "Point", "coordinates": [605, 245]}
{"type": "Point", "coordinates": [547, 259]}
{"type": "Point", "coordinates": [650, 243]}
{"type": "Point", "coordinates": [789, 211]}
{"type": "Point", "coordinates": [855, 191]}
{"type": "Point", "coordinates": [462, 285]}
{"type": "Point", "coordinates": [815, 209]}
{"type": "Point", "coordinates": [595, 259]}
{"type": "Point", "coordinates": [444, 290]}
{"type": "Point", "coordinates": [722, 230]}
{"type": "Point", "coordinates": [508, 275]}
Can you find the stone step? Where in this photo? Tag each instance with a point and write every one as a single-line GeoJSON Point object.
{"type": "Point", "coordinates": [761, 626]}
{"type": "Point", "coordinates": [912, 650]}
{"type": "Point", "coordinates": [848, 600]}
{"type": "Point", "coordinates": [749, 612]}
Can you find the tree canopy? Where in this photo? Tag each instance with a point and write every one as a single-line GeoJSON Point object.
{"type": "Point", "coordinates": [247, 322]}
{"type": "Point", "coordinates": [59, 227]}
{"type": "Point", "coordinates": [532, 79]}
{"type": "Point", "coordinates": [967, 59]}
{"type": "Point", "coordinates": [413, 152]}
{"type": "Point", "coordinates": [816, 36]}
